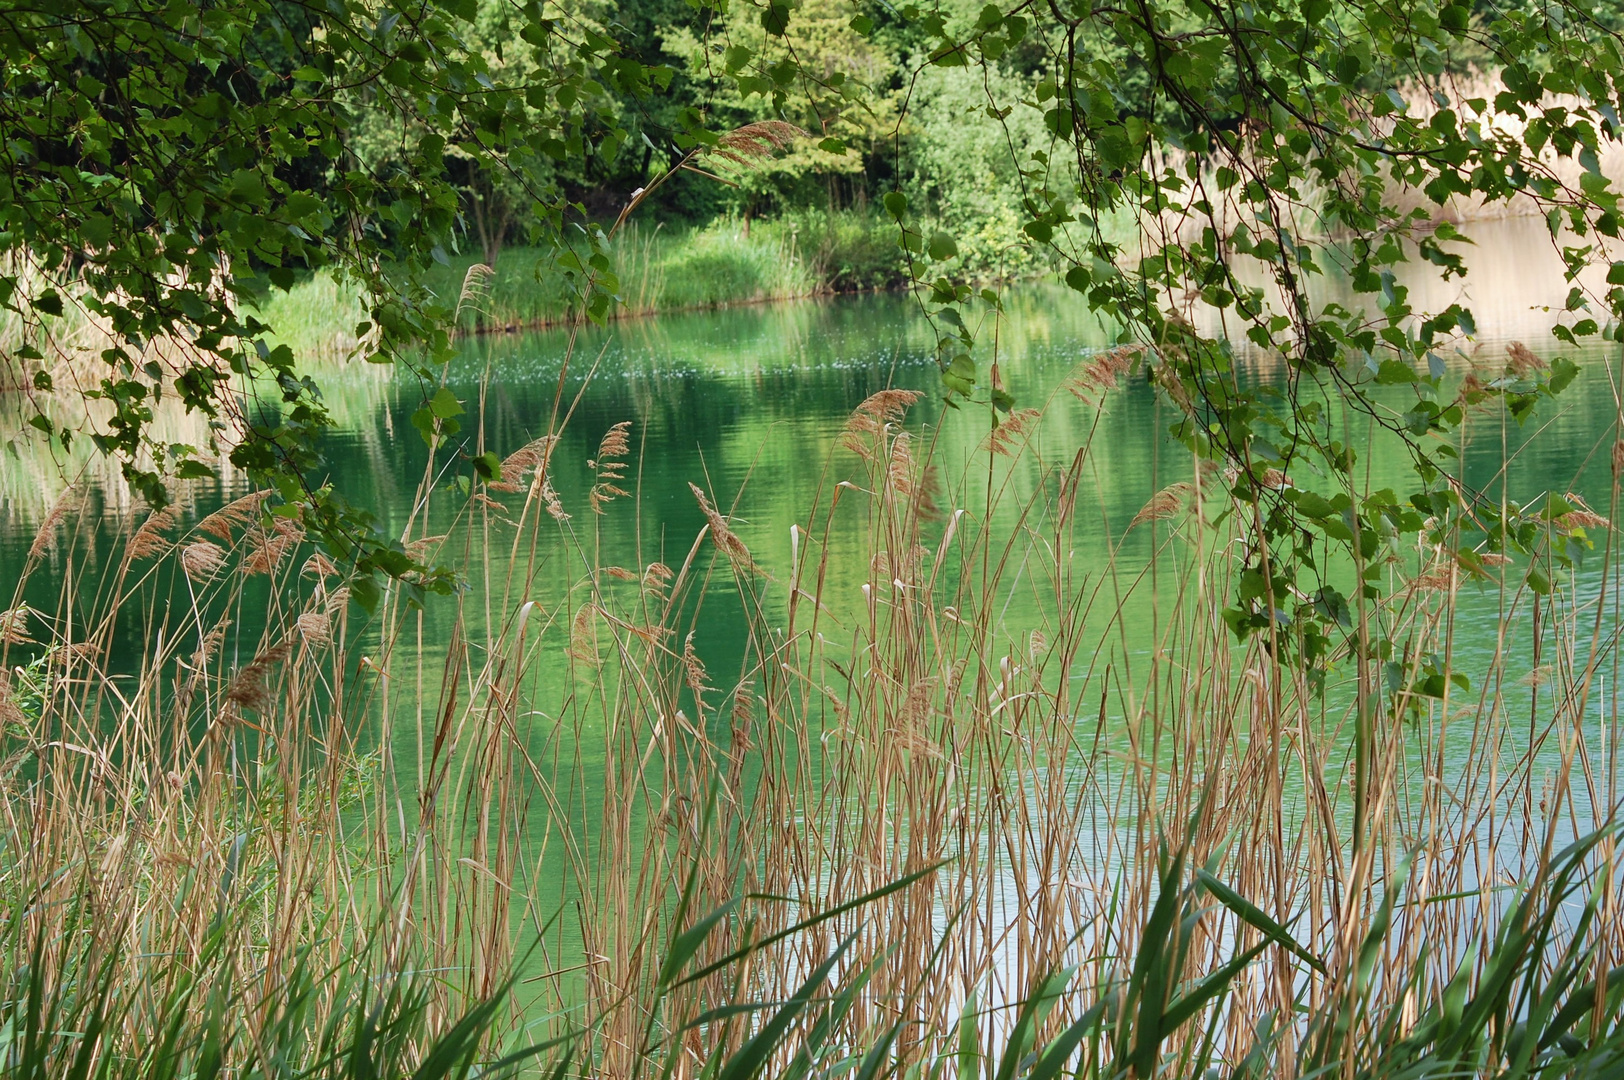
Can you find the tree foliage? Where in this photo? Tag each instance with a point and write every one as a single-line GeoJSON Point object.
{"type": "Point", "coordinates": [1197, 170]}
{"type": "Point", "coordinates": [168, 163]}
{"type": "Point", "coordinates": [1261, 149]}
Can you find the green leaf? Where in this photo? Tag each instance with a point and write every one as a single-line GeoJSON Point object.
{"type": "Point", "coordinates": [364, 592]}
{"type": "Point", "coordinates": [444, 404]}
{"type": "Point", "coordinates": [1563, 372]}
{"type": "Point", "coordinates": [423, 421]}
{"type": "Point", "coordinates": [1257, 918]}
{"type": "Point", "coordinates": [1395, 372]}
{"type": "Point", "coordinates": [1538, 581]}
{"type": "Point", "coordinates": [960, 375]}
{"type": "Point", "coordinates": [775, 19]}
{"type": "Point", "coordinates": [686, 945]}
{"type": "Point", "coordinates": [942, 247]}
{"type": "Point", "coordinates": [1041, 231]}
{"type": "Point", "coordinates": [1311, 504]}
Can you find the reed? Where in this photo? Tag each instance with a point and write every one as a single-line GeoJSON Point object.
{"type": "Point", "coordinates": [905, 833]}
{"type": "Point", "coordinates": [659, 270]}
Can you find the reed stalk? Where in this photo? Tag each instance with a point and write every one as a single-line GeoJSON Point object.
{"type": "Point", "coordinates": [956, 807]}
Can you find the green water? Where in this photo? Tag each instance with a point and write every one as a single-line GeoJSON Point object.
{"type": "Point", "coordinates": [749, 405]}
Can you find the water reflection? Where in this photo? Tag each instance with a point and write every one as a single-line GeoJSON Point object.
{"type": "Point", "coordinates": [749, 405]}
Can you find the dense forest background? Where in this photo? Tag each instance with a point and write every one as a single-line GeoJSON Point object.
{"type": "Point", "coordinates": [878, 118]}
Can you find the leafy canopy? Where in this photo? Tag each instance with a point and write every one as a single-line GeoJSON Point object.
{"type": "Point", "coordinates": [1197, 171]}
{"type": "Point", "coordinates": [173, 162]}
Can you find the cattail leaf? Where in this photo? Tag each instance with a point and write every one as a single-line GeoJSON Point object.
{"type": "Point", "coordinates": [1034, 1011]}
{"type": "Point", "coordinates": [754, 1054]}
{"type": "Point", "coordinates": [1187, 1005]}
{"type": "Point", "coordinates": [814, 920]}
{"type": "Point", "coordinates": [686, 944]}
{"type": "Point", "coordinates": [1059, 1052]}
{"type": "Point", "coordinates": [1255, 917]}
{"type": "Point", "coordinates": [969, 1049]}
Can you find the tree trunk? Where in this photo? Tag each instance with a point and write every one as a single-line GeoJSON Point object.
{"type": "Point", "coordinates": [489, 226]}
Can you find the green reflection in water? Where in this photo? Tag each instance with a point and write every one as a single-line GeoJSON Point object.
{"type": "Point", "coordinates": [749, 404]}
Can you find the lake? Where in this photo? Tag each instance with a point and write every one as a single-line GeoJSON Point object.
{"type": "Point", "coordinates": [750, 406]}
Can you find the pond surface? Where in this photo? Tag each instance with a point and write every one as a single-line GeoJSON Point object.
{"type": "Point", "coordinates": [749, 405]}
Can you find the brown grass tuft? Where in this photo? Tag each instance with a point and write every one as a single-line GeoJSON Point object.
{"type": "Point", "coordinates": [656, 578]}
{"type": "Point", "coordinates": [1521, 361]}
{"type": "Point", "coordinates": [475, 287]}
{"type": "Point", "coordinates": [583, 644]}
{"type": "Point", "coordinates": [1167, 503]}
{"type": "Point", "coordinates": [528, 458]}
{"type": "Point", "coordinates": [201, 558]}
{"type": "Point", "coordinates": [694, 673]}
{"type": "Point", "coordinates": [899, 471]}
{"type": "Point", "coordinates": [319, 566]}
{"type": "Point", "coordinates": [1437, 579]}
{"type": "Point", "coordinates": [238, 514]}
{"type": "Point", "coordinates": [419, 549]}
{"type": "Point", "coordinates": [550, 499]}
{"type": "Point", "coordinates": [721, 535]}
{"type": "Point", "coordinates": [149, 540]}
{"type": "Point", "coordinates": [45, 535]}
{"type": "Point", "coordinates": [315, 627]}
{"type": "Point", "coordinates": [610, 466]}
{"type": "Point", "coordinates": [749, 145]}
{"type": "Point", "coordinates": [270, 545]}
{"type": "Point", "coordinates": [1581, 516]}
{"type": "Point", "coordinates": [247, 688]}
{"type": "Point", "coordinates": [1008, 437]}
{"type": "Point", "coordinates": [14, 625]}
{"type": "Point", "coordinates": [1102, 373]}
{"type": "Point", "coordinates": [869, 420]}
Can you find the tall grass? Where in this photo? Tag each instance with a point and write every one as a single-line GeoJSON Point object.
{"type": "Point", "coordinates": [915, 831]}
{"type": "Point", "coordinates": [728, 262]}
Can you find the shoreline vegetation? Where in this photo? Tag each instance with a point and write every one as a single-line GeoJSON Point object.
{"type": "Point", "coordinates": [730, 262]}
{"type": "Point", "coordinates": [985, 787]}
{"type": "Point", "coordinates": [907, 837]}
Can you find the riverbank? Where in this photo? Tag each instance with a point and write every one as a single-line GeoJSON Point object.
{"type": "Point", "coordinates": [729, 263]}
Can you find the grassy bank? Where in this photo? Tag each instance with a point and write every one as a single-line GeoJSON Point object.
{"type": "Point", "coordinates": [907, 836]}
{"type": "Point", "coordinates": [660, 270]}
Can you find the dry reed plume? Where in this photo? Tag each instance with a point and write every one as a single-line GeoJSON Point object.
{"type": "Point", "coordinates": [974, 800]}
